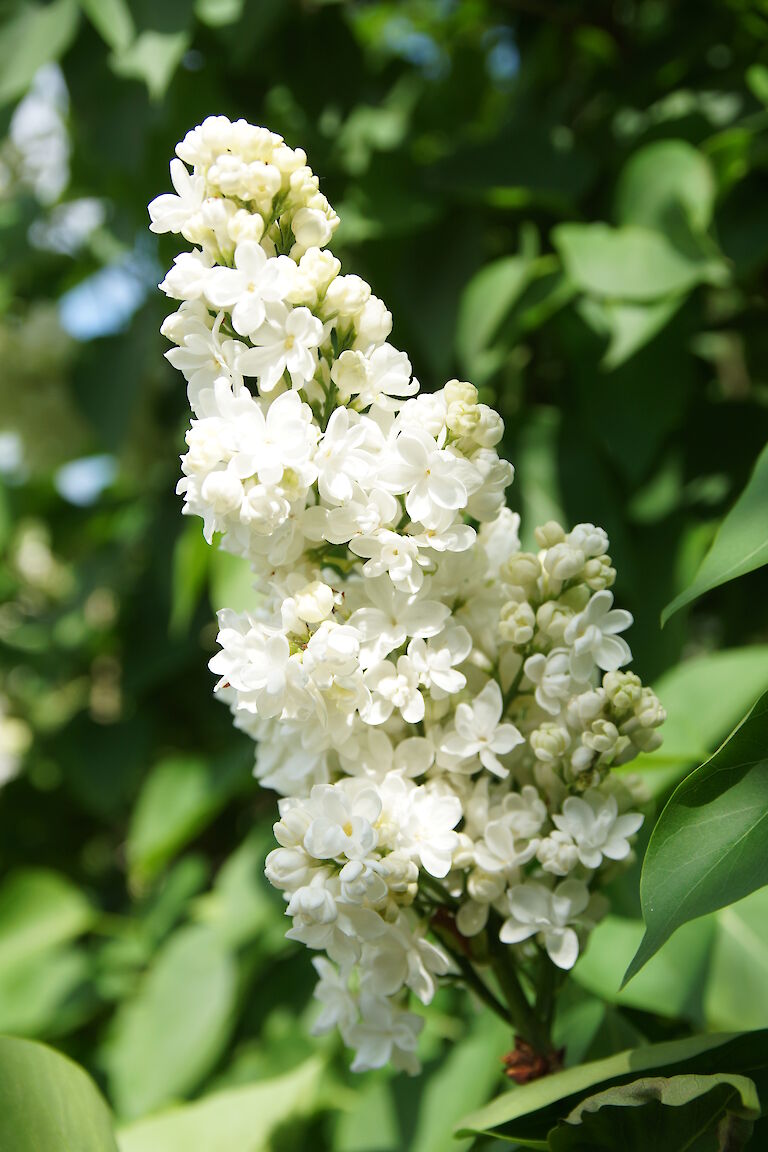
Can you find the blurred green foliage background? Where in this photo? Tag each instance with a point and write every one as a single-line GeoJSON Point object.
{"type": "Point", "coordinates": [564, 202]}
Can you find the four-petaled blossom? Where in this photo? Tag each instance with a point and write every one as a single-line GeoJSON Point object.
{"type": "Point", "coordinates": [287, 341]}
{"type": "Point", "coordinates": [170, 213]}
{"type": "Point", "coordinates": [434, 480]}
{"type": "Point", "coordinates": [593, 637]}
{"type": "Point", "coordinates": [479, 732]}
{"type": "Point", "coordinates": [255, 280]}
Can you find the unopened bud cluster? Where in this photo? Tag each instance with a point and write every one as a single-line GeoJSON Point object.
{"type": "Point", "coordinates": [439, 710]}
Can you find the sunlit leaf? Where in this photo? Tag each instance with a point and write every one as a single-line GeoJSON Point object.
{"type": "Point", "coordinates": [33, 36]}
{"type": "Point", "coordinates": [170, 1034]}
{"type": "Point", "coordinates": [48, 1103]}
{"type": "Point", "coordinates": [662, 179]}
{"type": "Point", "coordinates": [152, 57]}
{"type": "Point", "coordinates": [113, 21]}
{"type": "Point", "coordinates": [631, 263]}
{"type": "Point", "coordinates": [240, 1118]}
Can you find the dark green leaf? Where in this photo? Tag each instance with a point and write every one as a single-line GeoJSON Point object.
{"type": "Point", "coordinates": [708, 848]}
{"type": "Point", "coordinates": [527, 1113]}
{"type": "Point", "coordinates": [741, 544]}
{"type": "Point", "coordinates": [683, 1112]}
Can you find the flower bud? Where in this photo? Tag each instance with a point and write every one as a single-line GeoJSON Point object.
{"type": "Point", "coordinates": [549, 534]}
{"type": "Point", "coordinates": [517, 623]}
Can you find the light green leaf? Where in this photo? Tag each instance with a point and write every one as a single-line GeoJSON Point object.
{"type": "Point", "coordinates": [741, 544]}
{"type": "Point", "coordinates": [757, 82]}
{"type": "Point", "coordinates": [631, 263]}
{"type": "Point", "coordinates": [38, 911]}
{"type": "Point", "coordinates": [464, 1080]}
{"type": "Point", "coordinates": [218, 13]}
{"type": "Point", "coordinates": [112, 20]}
{"type": "Point", "coordinates": [663, 181]}
{"type": "Point", "coordinates": [632, 326]}
{"type": "Point", "coordinates": [704, 698]}
{"type": "Point", "coordinates": [37, 996]}
{"type": "Point", "coordinates": [152, 57]}
{"type": "Point", "coordinates": [231, 583]}
{"type": "Point", "coordinates": [708, 847]}
{"type": "Point", "coordinates": [171, 1033]}
{"type": "Point", "coordinates": [33, 36]}
{"type": "Point", "coordinates": [240, 907]}
{"type": "Point", "coordinates": [192, 557]}
{"type": "Point", "coordinates": [678, 1110]}
{"type": "Point", "coordinates": [48, 1103]}
{"type": "Point", "coordinates": [737, 988]}
{"type": "Point", "coordinates": [179, 798]}
{"type": "Point", "coordinates": [244, 1119]}
{"type": "Point", "coordinates": [527, 1113]}
{"type": "Point", "coordinates": [672, 984]}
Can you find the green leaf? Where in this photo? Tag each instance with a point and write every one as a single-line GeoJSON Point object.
{"type": "Point", "coordinates": [486, 300]}
{"type": "Point", "coordinates": [112, 20]}
{"type": "Point", "coordinates": [153, 57]}
{"type": "Point", "coordinates": [708, 847]}
{"type": "Point", "coordinates": [231, 583]}
{"type": "Point", "coordinates": [683, 1112]}
{"type": "Point", "coordinates": [632, 326]}
{"type": "Point", "coordinates": [240, 1118]}
{"type": "Point", "coordinates": [464, 1080]}
{"type": "Point", "coordinates": [672, 984]}
{"type": "Point", "coordinates": [39, 997]}
{"type": "Point", "coordinates": [171, 1033]}
{"type": "Point", "coordinates": [705, 698]}
{"type": "Point", "coordinates": [757, 82]}
{"type": "Point", "coordinates": [741, 544]}
{"type": "Point", "coordinates": [179, 798]}
{"type": "Point", "coordinates": [527, 1113]}
{"type": "Point", "coordinates": [663, 180]}
{"type": "Point", "coordinates": [737, 988]}
{"type": "Point", "coordinates": [219, 13]}
{"type": "Point", "coordinates": [241, 907]}
{"type": "Point", "coordinates": [192, 557]}
{"type": "Point", "coordinates": [631, 263]}
{"type": "Point", "coordinates": [38, 911]}
{"type": "Point", "coordinates": [48, 1103]}
{"type": "Point", "coordinates": [35, 35]}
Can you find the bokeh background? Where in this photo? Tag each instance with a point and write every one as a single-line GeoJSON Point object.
{"type": "Point", "coordinates": [491, 163]}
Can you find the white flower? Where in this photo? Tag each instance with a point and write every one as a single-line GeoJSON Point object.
{"type": "Point", "coordinates": [548, 915]}
{"type": "Point", "coordinates": [346, 455]}
{"type": "Point", "coordinates": [553, 679]}
{"type": "Point", "coordinates": [254, 280]}
{"type": "Point", "coordinates": [342, 822]}
{"type": "Point", "coordinates": [188, 278]}
{"type": "Point", "coordinates": [385, 1033]}
{"type": "Point", "coordinates": [392, 616]}
{"type": "Point", "coordinates": [593, 823]}
{"type": "Point", "coordinates": [339, 1009]}
{"type": "Point", "coordinates": [394, 686]}
{"type": "Point", "coordinates": [286, 341]}
{"type": "Point", "coordinates": [557, 854]}
{"type": "Point", "coordinates": [435, 660]}
{"type": "Point", "coordinates": [512, 837]}
{"type": "Point", "coordinates": [170, 213]}
{"type": "Point", "coordinates": [362, 515]}
{"type": "Point", "coordinates": [435, 480]}
{"type": "Point", "coordinates": [402, 957]}
{"type": "Point", "coordinates": [203, 357]}
{"type": "Point", "coordinates": [479, 733]}
{"type": "Point", "coordinates": [592, 636]}
{"type": "Point", "coordinates": [256, 662]}
{"type": "Point", "coordinates": [374, 379]}
{"type": "Point", "coordinates": [392, 553]}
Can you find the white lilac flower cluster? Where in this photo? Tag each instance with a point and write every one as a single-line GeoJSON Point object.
{"type": "Point", "coordinates": [438, 709]}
